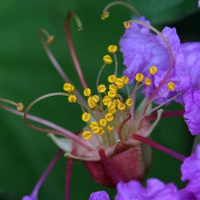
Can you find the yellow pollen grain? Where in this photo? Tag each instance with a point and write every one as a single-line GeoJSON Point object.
{"type": "Point", "coordinates": [95, 98]}
{"type": "Point", "coordinates": [20, 106]}
{"type": "Point", "coordinates": [95, 129]}
{"type": "Point", "coordinates": [110, 128]}
{"type": "Point", "coordinates": [112, 78]}
{"type": "Point", "coordinates": [109, 117]}
{"type": "Point", "coordinates": [111, 105]}
{"type": "Point", "coordinates": [121, 106]}
{"type": "Point", "coordinates": [126, 80]}
{"type": "Point", "coordinates": [93, 124]}
{"type": "Point", "coordinates": [112, 110]}
{"type": "Point", "coordinates": [171, 86]}
{"type": "Point", "coordinates": [72, 98]}
{"type": "Point", "coordinates": [101, 88]}
{"type": "Point", "coordinates": [87, 92]}
{"type": "Point", "coordinates": [101, 131]}
{"type": "Point", "coordinates": [153, 70]}
{"type": "Point", "coordinates": [113, 88]}
{"type": "Point", "coordinates": [112, 48]}
{"type": "Point", "coordinates": [103, 122]}
{"type": "Point", "coordinates": [127, 24]}
{"type": "Point", "coordinates": [86, 116]}
{"type": "Point", "coordinates": [68, 87]}
{"type": "Point", "coordinates": [105, 15]}
{"type": "Point", "coordinates": [147, 81]}
{"type": "Point", "coordinates": [139, 77]}
{"type": "Point", "coordinates": [106, 99]}
{"type": "Point", "coordinates": [129, 102]}
{"type": "Point", "coordinates": [107, 59]}
{"type": "Point", "coordinates": [112, 94]}
{"type": "Point", "coordinates": [87, 135]}
{"type": "Point", "coordinates": [119, 83]}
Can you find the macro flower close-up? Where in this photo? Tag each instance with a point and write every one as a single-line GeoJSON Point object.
{"type": "Point", "coordinates": [114, 91]}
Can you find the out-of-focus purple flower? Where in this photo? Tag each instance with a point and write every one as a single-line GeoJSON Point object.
{"type": "Point", "coordinates": [199, 3]}
{"type": "Point", "coordinates": [155, 190]}
{"type": "Point", "coordinates": [142, 49]}
{"type": "Point", "coordinates": [28, 198]}
{"type": "Point", "coordinates": [191, 171]}
{"type": "Point", "coordinates": [101, 195]}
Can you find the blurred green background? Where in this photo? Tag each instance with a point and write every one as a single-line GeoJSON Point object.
{"type": "Point", "coordinates": [26, 73]}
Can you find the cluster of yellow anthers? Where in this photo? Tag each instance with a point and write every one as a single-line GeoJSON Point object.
{"type": "Point", "coordinates": [102, 113]}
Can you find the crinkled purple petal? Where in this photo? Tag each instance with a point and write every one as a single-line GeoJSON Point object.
{"type": "Point", "coordinates": [191, 101]}
{"type": "Point", "coordinates": [199, 3]}
{"type": "Point", "coordinates": [185, 195]}
{"type": "Point", "coordinates": [101, 195]}
{"type": "Point", "coordinates": [191, 171]}
{"type": "Point", "coordinates": [155, 190]}
{"type": "Point", "coordinates": [141, 49]}
{"type": "Point", "coordinates": [191, 66]}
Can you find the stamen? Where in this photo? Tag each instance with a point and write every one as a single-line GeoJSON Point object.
{"type": "Point", "coordinates": [106, 13]}
{"type": "Point", "coordinates": [108, 166]}
{"type": "Point", "coordinates": [98, 77]}
{"type": "Point", "coordinates": [35, 191]}
{"type": "Point", "coordinates": [71, 47]}
{"type": "Point", "coordinates": [55, 62]}
{"type": "Point", "coordinates": [122, 125]}
{"type": "Point", "coordinates": [159, 147]}
{"type": "Point", "coordinates": [64, 133]}
{"type": "Point", "coordinates": [170, 53]}
{"type": "Point", "coordinates": [68, 175]}
{"type": "Point", "coordinates": [18, 105]}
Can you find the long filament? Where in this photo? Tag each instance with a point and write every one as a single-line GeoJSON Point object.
{"type": "Point", "coordinates": [71, 47]}
{"type": "Point", "coordinates": [123, 4]}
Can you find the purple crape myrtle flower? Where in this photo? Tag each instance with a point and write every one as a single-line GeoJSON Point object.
{"type": "Point", "coordinates": [199, 3]}
{"type": "Point", "coordinates": [141, 49]}
{"type": "Point", "coordinates": [191, 171]}
{"type": "Point", "coordinates": [101, 195]}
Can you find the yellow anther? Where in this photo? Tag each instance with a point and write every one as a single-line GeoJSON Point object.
{"type": "Point", "coordinates": [127, 24]}
{"type": "Point", "coordinates": [112, 94]}
{"type": "Point", "coordinates": [101, 88]}
{"type": "Point", "coordinates": [110, 128]}
{"type": "Point", "coordinates": [72, 98]}
{"type": "Point", "coordinates": [147, 81]}
{"type": "Point", "coordinates": [116, 102]}
{"type": "Point", "coordinates": [86, 116]}
{"type": "Point", "coordinates": [153, 70]}
{"type": "Point", "coordinates": [107, 59]}
{"type": "Point", "coordinates": [111, 105]}
{"type": "Point", "coordinates": [87, 135]}
{"type": "Point", "coordinates": [112, 78]}
{"type": "Point", "coordinates": [171, 86]}
{"type": "Point", "coordinates": [129, 102]}
{"type": "Point", "coordinates": [95, 129]}
{"type": "Point", "coordinates": [106, 99]}
{"type": "Point", "coordinates": [93, 124]}
{"type": "Point", "coordinates": [87, 92]}
{"type": "Point", "coordinates": [119, 82]}
{"type": "Point", "coordinates": [105, 15]}
{"type": "Point", "coordinates": [68, 87]}
{"type": "Point", "coordinates": [126, 80]}
{"type": "Point", "coordinates": [101, 131]}
{"type": "Point", "coordinates": [112, 48]}
{"type": "Point", "coordinates": [121, 106]}
{"type": "Point", "coordinates": [95, 98]}
{"type": "Point", "coordinates": [91, 104]}
{"type": "Point", "coordinates": [20, 106]}
{"type": "Point", "coordinates": [139, 77]}
{"type": "Point", "coordinates": [103, 122]}
{"type": "Point", "coordinates": [112, 88]}
{"type": "Point", "coordinates": [109, 117]}
{"type": "Point", "coordinates": [112, 110]}
{"type": "Point", "coordinates": [50, 39]}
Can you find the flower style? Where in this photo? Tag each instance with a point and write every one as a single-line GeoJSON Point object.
{"type": "Point", "coordinates": [142, 49]}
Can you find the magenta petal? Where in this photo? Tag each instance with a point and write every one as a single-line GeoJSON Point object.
{"type": "Point", "coordinates": [101, 195]}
